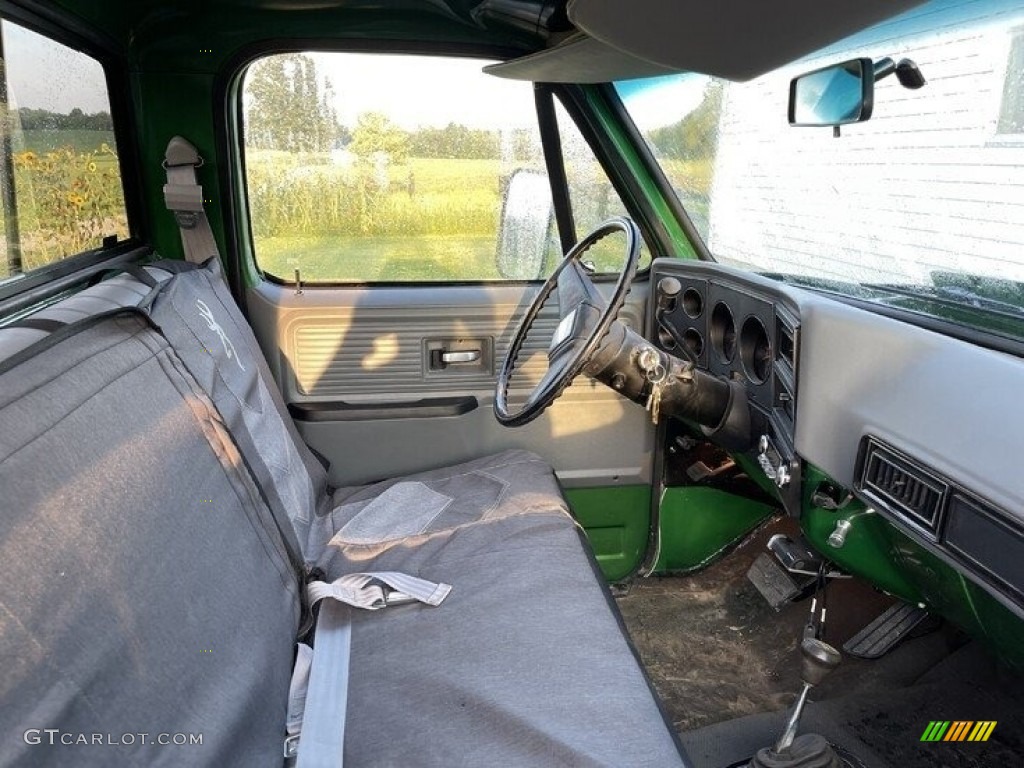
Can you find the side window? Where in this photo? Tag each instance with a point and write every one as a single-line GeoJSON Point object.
{"type": "Point", "coordinates": [60, 180]}
{"type": "Point", "coordinates": [380, 168]}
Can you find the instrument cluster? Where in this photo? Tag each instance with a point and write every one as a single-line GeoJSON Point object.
{"type": "Point", "coordinates": [738, 331]}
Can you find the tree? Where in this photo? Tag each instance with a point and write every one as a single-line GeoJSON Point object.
{"type": "Point", "coordinates": [695, 137]}
{"type": "Point", "coordinates": [288, 107]}
{"type": "Point", "coordinates": [455, 141]}
{"type": "Point", "coordinates": [374, 132]}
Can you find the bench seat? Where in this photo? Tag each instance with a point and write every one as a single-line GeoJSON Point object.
{"type": "Point", "coordinates": [155, 499]}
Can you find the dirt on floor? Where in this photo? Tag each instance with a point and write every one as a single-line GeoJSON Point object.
{"type": "Point", "coordinates": [716, 650]}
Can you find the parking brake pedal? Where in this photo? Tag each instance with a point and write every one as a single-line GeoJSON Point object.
{"type": "Point", "coordinates": [884, 633]}
{"type": "Point", "coordinates": [775, 584]}
{"type": "Point", "coordinates": [794, 555]}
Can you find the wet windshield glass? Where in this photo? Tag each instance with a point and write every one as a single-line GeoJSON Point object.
{"type": "Point", "coordinates": [921, 206]}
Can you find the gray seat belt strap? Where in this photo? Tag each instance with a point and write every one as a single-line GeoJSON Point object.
{"type": "Point", "coordinates": [318, 695]}
{"type": "Point", "coordinates": [184, 198]}
{"type": "Point", "coordinates": [322, 744]}
{"type": "Point", "coordinates": [360, 591]}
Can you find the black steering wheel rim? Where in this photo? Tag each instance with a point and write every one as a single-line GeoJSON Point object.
{"type": "Point", "coordinates": [545, 394]}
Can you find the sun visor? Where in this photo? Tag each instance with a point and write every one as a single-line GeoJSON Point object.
{"type": "Point", "coordinates": [577, 59]}
{"type": "Point", "coordinates": [734, 39]}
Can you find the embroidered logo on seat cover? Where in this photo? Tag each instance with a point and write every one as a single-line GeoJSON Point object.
{"type": "Point", "coordinates": [229, 348]}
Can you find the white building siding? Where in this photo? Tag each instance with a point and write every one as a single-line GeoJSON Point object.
{"type": "Point", "coordinates": [927, 184]}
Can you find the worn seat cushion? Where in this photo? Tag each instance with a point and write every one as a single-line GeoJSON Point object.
{"type": "Point", "coordinates": [369, 518]}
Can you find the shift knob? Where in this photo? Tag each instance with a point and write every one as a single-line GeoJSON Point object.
{"type": "Point", "coordinates": [818, 658]}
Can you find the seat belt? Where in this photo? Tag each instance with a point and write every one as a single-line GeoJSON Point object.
{"type": "Point", "coordinates": [318, 694]}
{"type": "Point", "coordinates": [184, 198]}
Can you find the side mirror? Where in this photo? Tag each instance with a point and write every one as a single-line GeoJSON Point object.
{"type": "Point", "coordinates": [836, 95]}
{"type": "Point", "coordinates": [527, 231]}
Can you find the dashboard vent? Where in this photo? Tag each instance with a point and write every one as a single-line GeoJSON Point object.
{"type": "Point", "coordinates": [902, 486]}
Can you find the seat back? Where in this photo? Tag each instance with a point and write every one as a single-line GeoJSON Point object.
{"type": "Point", "coordinates": [148, 591]}
{"type": "Point", "coordinates": [197, 315]}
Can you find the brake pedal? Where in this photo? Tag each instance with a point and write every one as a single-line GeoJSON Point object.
{"type": "Point", "coordinates": [885, 632]}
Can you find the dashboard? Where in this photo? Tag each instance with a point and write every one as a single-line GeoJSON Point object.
{"type": "Point", "coordinates": [923, 429]}
{"type": "Point", "coordinates": [744, 332]}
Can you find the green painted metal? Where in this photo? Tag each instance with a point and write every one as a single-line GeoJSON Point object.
{"type": "Point", "coordinates": [868, 551]}
{"type": "Point", "coordinates": [201, 36]}
{"type": "Point", "coordinates": [881, 554]}
{"type": "Point", "coordinates": [698, 524]}
{"type": "Point", "coordinates": [167, 104]}
{"type": "Point", "coordinates": [629, 158]}
{"type": "Point", "coordinates": [617, 520]}
{"type": "Point", "coordinates": [753, 470]}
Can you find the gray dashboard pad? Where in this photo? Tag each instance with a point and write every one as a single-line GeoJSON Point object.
{"type": "Point", "coordinates": [949, 404]}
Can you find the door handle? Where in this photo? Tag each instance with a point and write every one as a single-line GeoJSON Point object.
{"type": "Point", "coordinates": [458, 356]}
{"type": "Point", "coordinates": [464, 356]}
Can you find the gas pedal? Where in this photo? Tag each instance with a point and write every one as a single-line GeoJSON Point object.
{"type": "Point", "coordinates": [885, 632]}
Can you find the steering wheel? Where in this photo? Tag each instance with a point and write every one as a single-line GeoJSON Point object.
{"type": "Point", "coordinates": [585, 319]}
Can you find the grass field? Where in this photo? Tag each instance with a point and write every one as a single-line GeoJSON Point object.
{"type": "Point", "coordinates": [346, 258]}
{"type": "Point", "coordinates": [426, 219]}
{"type": "Point", "coordinates": [335, 219]}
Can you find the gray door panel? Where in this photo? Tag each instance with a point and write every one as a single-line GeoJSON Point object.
{"type": "Point", "coordinates": [363, 369]}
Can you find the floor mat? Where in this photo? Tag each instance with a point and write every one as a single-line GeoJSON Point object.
{"type": "Point", "coordinates": [967, 686]}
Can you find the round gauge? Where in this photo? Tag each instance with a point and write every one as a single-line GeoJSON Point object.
{"type": "Point", "coordinates": [755, 350]}
{"type": "Point", "coordinates": [694, 341]}
{"type": "Point", "coordinates": [722, 331]}
{"type": "Point", "coordinates": [693, 303]}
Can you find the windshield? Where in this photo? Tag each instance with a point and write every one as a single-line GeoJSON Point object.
{"type": "Point", "coordinates": [923, 204]}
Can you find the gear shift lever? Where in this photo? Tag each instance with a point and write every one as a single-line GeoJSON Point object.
{"type": "Point", "coordinates": [818, 658]}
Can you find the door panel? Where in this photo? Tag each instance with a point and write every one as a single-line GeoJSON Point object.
{"type": "Point", "coordinates": [359, 367]}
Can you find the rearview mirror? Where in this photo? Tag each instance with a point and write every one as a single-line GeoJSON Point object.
{"type": "Point", "coordinates": [836, 95]}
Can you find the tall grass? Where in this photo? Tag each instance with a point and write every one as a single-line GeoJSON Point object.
{"type": "Point", "coordinates": [425, 219]}
{"type": "Point", "coordinates": [423, 197]}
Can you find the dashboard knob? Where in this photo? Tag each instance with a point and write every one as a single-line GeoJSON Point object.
{"type": "Point", "coordinates": [668, 290]}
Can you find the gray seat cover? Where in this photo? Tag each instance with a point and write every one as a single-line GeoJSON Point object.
{"type": "Point", "coordinates": [526, 663]}
{"type": "Point", "coordinates": [196, 313]}
{"type": "Point", "coordinates": [145, 589]}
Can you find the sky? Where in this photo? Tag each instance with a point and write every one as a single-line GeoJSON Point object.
{"type": "Point", "coordinates": [43, 74]}
{"type": "Point", "coordinates": [659, 101]}
{"type": "Point", "coordinates": [417, 91]}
